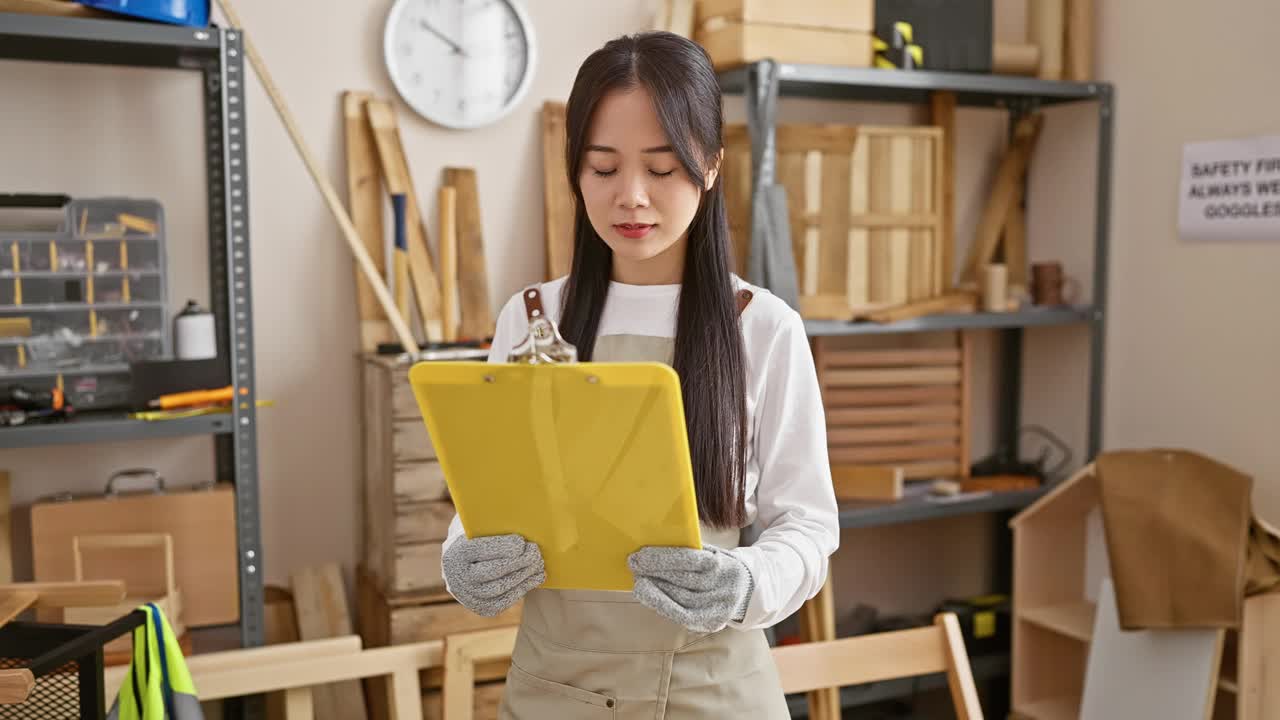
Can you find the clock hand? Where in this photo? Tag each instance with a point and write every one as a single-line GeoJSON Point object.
{"type": "Point", "coordinates": [457, 49]}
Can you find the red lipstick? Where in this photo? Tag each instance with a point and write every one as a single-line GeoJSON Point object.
{"type": "Point", "coordinates": [633, 231]}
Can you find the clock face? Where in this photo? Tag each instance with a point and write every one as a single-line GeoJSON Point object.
{"type": "Point", "coordinates": [459, 63]}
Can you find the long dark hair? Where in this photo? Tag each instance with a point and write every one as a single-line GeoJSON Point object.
{"type": "Point", "coordinates": [709, 356]}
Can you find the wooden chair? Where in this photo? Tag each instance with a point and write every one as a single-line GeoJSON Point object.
{"type": "Point", "coordinates": [806, 667]}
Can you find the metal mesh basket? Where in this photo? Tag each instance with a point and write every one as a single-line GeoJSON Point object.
{"type": "Point", "coordinates": [66, 661]}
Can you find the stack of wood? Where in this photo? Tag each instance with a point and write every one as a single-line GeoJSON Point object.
{"type": "Point", "coordinates": [406, 516]}
{"type": "Point", "coordinates": [737, 32]}
{"type": "Point", "coordinates": [897, 409]}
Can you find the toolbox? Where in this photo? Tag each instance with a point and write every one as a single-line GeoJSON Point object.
{"type": "Point", "coordinates": [200, 520]}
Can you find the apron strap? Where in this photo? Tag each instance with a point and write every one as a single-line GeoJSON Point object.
{"type": "Point", "coordinates": [744, 298]}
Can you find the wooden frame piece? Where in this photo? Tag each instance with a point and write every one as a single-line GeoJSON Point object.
{"type": "Point", "coordinates": [70, 594]}
{"type": "Point", "coordinates": [462, 652]}
{"type": "Point", "coordinates": [557, 196]}
{"type": "Point", "coordinates": [806, 667]}
{"type": "Point", "coordinates": [15, 685]}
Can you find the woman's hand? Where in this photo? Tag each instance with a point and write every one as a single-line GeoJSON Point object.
{"type": "Point", "coordinates": [490, 574]}
{"type": "Point", "coordinates": [703, 590]}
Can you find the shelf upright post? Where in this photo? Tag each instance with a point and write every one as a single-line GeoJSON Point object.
{"type": "Point", "coordinates": [1101, 256]}
{"type": "Point", "coordinates": [237, 454]}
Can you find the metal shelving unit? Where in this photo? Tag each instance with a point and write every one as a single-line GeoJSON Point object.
{"type": "Point", "coordinates": [218, 55]}
{"type": "Point", "coordinates": [763, 84]}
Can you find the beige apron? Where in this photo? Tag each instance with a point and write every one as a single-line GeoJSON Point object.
{"type": "Point", "coordinates": [585, 655]}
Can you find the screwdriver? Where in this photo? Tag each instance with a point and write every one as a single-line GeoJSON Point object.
{"type": "Point", "coordinates": [193, 397]}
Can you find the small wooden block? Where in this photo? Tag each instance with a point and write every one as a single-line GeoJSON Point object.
{"type": "Point", "coordinates": [15, 686]}
{"type": "Point", "coordinates": [15, 327]}
{"type": "Point", "coordinates": [867, 482]}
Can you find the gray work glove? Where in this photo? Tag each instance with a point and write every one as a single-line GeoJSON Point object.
{"type": "Point", "coordinates": [702, 590]}
{"type": "Point", "coordinates": [490, 574]}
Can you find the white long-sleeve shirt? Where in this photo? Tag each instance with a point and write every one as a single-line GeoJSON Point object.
{"type": "Point", "coordinates": [789, 493]}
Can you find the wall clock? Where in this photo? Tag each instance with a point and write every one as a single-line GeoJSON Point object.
{"type": "Point", "coordinates": [460, 63]}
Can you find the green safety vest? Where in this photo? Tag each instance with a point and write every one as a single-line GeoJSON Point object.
{"type": "Point", "coordinates": [157, 685]}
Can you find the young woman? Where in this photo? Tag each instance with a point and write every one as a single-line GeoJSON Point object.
{"type": "Point", "coordinates": [651, 280]}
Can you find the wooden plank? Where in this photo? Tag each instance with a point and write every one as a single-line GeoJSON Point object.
{"type": "Point", "coordinates": [398, 180]}
{"type": "Point", "coordinates": [416, 623]}
{"type": "Point", "coordinates": [1259, 672]}
{"type": "Point", "coordinates": [419, 481]}
{"type": "Point", "coordinates": [996, 210]}
{"type": "Point", "coordinates": [1015, 243]}
{"type": "Point", "coordinates": [426, 522]}
{"type": "Point", "coordinates": [876, 358]}
{"type": "Point", "coordinates": [64, 8]}
{"type": "Point", "coordinates": [14, 603]}
{"type": "Point", "coordinates": [364, 201]}
{"type": "Point", "coordinates": [834, 255]}
{"type": "Point", "coordinates": [557, 195]}
{"type": "Point", "coordinates": [12, 327]}
{"type": "Point", "coordinates": [867, 482]}
{"type": "Point", "coordinates": [964, 694]}
{"type": "Point", "coordinates": [848, 15]}
{"type": "Point", "coordinates": [737, 180]}
{"type": "Point", "coordinates": [930, 470]}
{"type": "Point", "coordinates": [892, 433]}
{"type": "Point", "coordinates": [15, 685]}
{"type": "Point", "coordinates": [1046, 28]}
{"type": "Point", "coordinates": [890, 376]}
{"type": "Point", "coordinates": [1079, 40]}
{"type": "Point", "coordinates": [461, 653]}
{"type": "Point", "coordinates": [321, 606]}
{"type": "Point", "coordinates": [448, 209]}
{"type": "Point", "coordinates": [893, 453]}
{"type": "Point", "coordinates": [923, 240]}
{"type": "Point", "coordinates": [880, 263]}
{"type": "Point", "coordinates": [411, 441]}
{"type": "Point", "coordinates": [825, 307]}
{"type": "Point", "coordinates": [837, 418]}
{"type": "Point", "coordinates": [473, 273]}
{"type": "Point", "coordinates": [943, 110]}
{"type": "Point", "coordinates": [860, 659]}
{"type": "Point", "coordinates": [890, 396]}
{"type": "Point", "coordinates": [952, 302]}
{"type": "Point", "coordinates": [815, 247]}
{"type": "Point", "coordinates": [900, 152]}
{"type": "Point", "coordinates": [416, 568]}
{"type": "Point", "coordinates": [732, 45]}
{"type": "Point", "coordinates": [857, 275]}
{"type": "Point", "coordinates": [6, 551]}
{"type": "Point", "coordinates": [70, 594]}
{"type": "Point", "coordinates": [1015, 58]}
{"type": "Point", "coordinates": [828, 139]}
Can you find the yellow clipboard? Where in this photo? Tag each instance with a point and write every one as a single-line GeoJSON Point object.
{"type": "Point", "coordinates": [588, 460]}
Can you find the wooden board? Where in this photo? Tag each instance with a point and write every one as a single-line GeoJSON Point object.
{"type": "Point", "coordinates": [1079, 41]}
{"type": "Point", "coordinates": [423, 522]}
{"type": "Point", "coordinates": [732, 44]}
{"type": "Point", "coordinates": [943, 108]}
{"type": "Point", "coordinates": [202, 523]}
{"type": "Point", "coordinates": [557, 195]}
{"type": "Point", "coordinates": [896, 409]}
{"type": "Point", "coordinates": [64, 8]}
{"type": "Point", "coordinates": [396, 178]}
{"type": "Point", "coordinates": [6, 545]}
{"type": "Point", "coordinates": [1046, 29]}
{"type": "Point", "coordinates": [447, 207]}
{"type": "Point", "coordinates": [1259, 666]}
{"type": "Point", "coordinates": [857, 15]}
{"type": "Point", "coordinates": [473, 275]}
{"type": "Point", "coordinates": [866, 212]}
{"type": "Point", "coordinates": [320, 602]}
{"type": "Point", "coordinates": [1164, 674]}
{"type": "Point", "coordinates": [1004, 190]}
{"type": "Point", "coordinates": [364, 202]}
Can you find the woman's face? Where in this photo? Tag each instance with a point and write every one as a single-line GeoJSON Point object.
{"type": "Point", "coordinates": [638, 197]}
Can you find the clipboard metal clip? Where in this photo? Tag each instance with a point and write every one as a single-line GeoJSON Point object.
{"type": "Point", "coordinates": [543, 345]}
